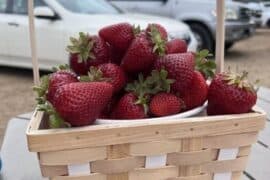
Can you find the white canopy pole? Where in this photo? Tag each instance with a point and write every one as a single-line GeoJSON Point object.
{"type": "Point", "coordinates": [220, 35]}
{"type": "Point", "coordinates": [33, 41]}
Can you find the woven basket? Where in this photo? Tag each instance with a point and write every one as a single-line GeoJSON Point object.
{"type": "Point", "coordinates": [199, 148]}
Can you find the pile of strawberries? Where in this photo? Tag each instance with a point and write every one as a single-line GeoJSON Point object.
{"type": "Point", "coordinates": [129, 73]}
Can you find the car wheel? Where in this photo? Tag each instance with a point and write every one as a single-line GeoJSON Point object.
{"type": "Point", "coordinates": [203, 36]}
{"type": "Point", "coordinates": [268, 23]}
{"type": "Point", "coordinates": [228, 45]}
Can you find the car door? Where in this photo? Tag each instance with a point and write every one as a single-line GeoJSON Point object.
{"type": "Point", "coordinates": [4, 46]}
{"type": "Point", "coordinates": [49, 36]}
{"type": "Point", "coordinates": [157, 7]}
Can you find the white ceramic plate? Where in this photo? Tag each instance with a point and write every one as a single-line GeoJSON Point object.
{"type": "Point", "coordinates": [186, 114]}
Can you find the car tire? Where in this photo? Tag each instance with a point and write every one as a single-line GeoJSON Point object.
{"type": "Point", "coordinates": [268, 23]}
{"type": "Point", "coordinates": [228, 46]}
{"type": "Point", "coordinates": [203, 36]}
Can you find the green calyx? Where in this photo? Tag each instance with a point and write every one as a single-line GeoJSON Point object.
{"type": "Point", "coordinates": [136, 29]}
{"type": "Point", "coordinates": [205, 66]}
{"type": "Point", "coordinates": [55, 120]}
{"type": "Point", "coordinates": [94, 75]}
{"type": "Point", "coordinates": [62, 67]}
{"type": "Point", "coordinates": [239, 80]}
{"type": "Point", "coordinates": [82, 46]}
{"type": "Point", "coordinates": [159, 44]}
{"type": "Point", "coordinates": [143, 88]}
{"type": "Point", "coordinates": [42, 89]}
{"type": "Point", "coordinates": [159, 81]}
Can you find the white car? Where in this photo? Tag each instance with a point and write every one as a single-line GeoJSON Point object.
{"type": "Point", "coordinates": [200, 15]}
{"type": "Point", "coordinates": [57, 20]}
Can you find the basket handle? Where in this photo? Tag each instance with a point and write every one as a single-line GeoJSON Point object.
{"type": "Point", "coordinates": [220, 36]}
{"type": "Point", "coordinates": [33, 42]}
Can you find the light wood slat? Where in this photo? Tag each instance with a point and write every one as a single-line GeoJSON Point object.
{"type": "Point", "coordinates": [88, 177]}
{"type": "Point", "coordinates": [191, 158]}
{"type": "Point", "coordinates": [154, 174]}
{"type": "Point", "coordinates": [112, 166]}
{"type": "Point", "coordinates": [238, 164]}
{"type": "Point", "coordinates": [155, 148]}
{"type": "Point", "coordinates": [76, 156]}
{"type": "Point", "coordinates": [258, 164]}
{"type": "Point", "coordinates": [198, 177]}
{"type": "Point", "coordinates": [230, 141]}
{"type": "Point", "coordinates": [190, 145]}
{"type": "Point", "coordinates": [237, 175]}
{"type": "Point", "coordinates": [117, 152]}
{"type": "Point", "coordinates": [51, 171]}
{"type": "Point", "coordinates": [244, 151]}
{"type": "Point", "coordinates": [102, 135]}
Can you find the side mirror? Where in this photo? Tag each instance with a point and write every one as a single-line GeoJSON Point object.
{"type": "Point", "coordinates": [45, 13]}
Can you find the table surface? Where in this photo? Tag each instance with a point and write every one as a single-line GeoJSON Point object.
{"type": "Point", "coordinates": [19, 164]}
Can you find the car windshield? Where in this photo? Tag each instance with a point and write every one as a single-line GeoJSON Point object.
{"type": "Point", "coordinates": [90, 6]}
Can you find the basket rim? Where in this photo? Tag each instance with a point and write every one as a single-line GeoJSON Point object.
{"type": "Point", "coordinates": [111, 134]}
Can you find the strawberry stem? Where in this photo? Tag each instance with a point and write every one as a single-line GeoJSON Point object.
{"type": "Point", "coordinates": [205, 66]}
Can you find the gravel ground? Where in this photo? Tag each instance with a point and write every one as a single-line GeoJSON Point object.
{"type": "Point", "coordinates": [16, 84]}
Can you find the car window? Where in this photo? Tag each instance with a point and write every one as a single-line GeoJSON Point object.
{"type": "Point", "coordinates": [3, 6]}
{"type": "Point", "coordinates": [20, 6]}
{"type": "Point", "coordinates": [89, 6]}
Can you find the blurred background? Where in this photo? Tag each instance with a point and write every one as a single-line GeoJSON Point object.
{"type": "Point", "coordinates": [247, 36]}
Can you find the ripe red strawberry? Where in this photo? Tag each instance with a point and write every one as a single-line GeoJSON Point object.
{"type": "Point", "coordinates": [176, 46]}
{"type": "Point", "coordinates": [81, 103]}
{"type": "Point", "coordinates": [87, 51]}
{"type": "Point", "coordinates": [164, 104]}
{"type": "Point", "coordinates": [180, 67]}
{"type": "Point", "coordinates": [127, 108]}
{"type": "Point", "coordinates": [57, 80]}
{"type": "Point", "coordinates": [161, 29]}
{"type": "Point", "coordinates": [119, 35]}
{"type": "Point", "coordinates": [197, 92]}
{"type": "Point", "coordinates": [50, 83]}
{"type": "Point", "coordinates": [143, 52]}
{"type": "Point", "coordinates": [116, 55]}
{"type": "Point", "coordinates": [230, 93]}
{"type": "Point", "coordinates": [108, 72]}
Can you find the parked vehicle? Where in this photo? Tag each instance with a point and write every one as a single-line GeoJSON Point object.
{"type": "Point", "coordinates": [57, 20]}
{"type": "Point", "coordinates": [201, 17]}
{"type": "Point", "coordinates": [256, 9]}
{"type": "Point", "coordinates": [266, 14]}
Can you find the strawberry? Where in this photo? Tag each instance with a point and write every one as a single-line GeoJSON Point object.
{"type": "Point", "coordinates": [197, 92]}
{"type": "Point", "coordinates": [134, 105]}
{"type": "Point", "coordinates": [164, 104]}
{"type": "Point", "coordinates": [160, 28]}
{"type": "Point", "coordinates": [116, 55]}
{"type": "Point", "coordinates": [128, 107]}
{"type": "Point", "coordinates": [119, 35]}
{"type": "Point", "coordinates": [81, 103]}
{"type": "Point", "coordinates": [143, 52]}
{"type": "Point", "coordinates": [57, 80]}
{"type": "Point", "coordinates": [50, 83]}
{"type": "Point", "coordinates": [107, 72]}
{"type": "Point", "coordinates": [87, 51]}
{"type": "Point", "coordinates": [180, 67]}
{"type": "Point", "coordinates": [230, 93]}
{"type": "Point", "coordinates": [176, 46]}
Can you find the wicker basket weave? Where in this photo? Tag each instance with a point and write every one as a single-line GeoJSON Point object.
{"type": "Point", "coordinates": [190, 147]}
{"type": "Point", "coordinates": [199, 148]}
